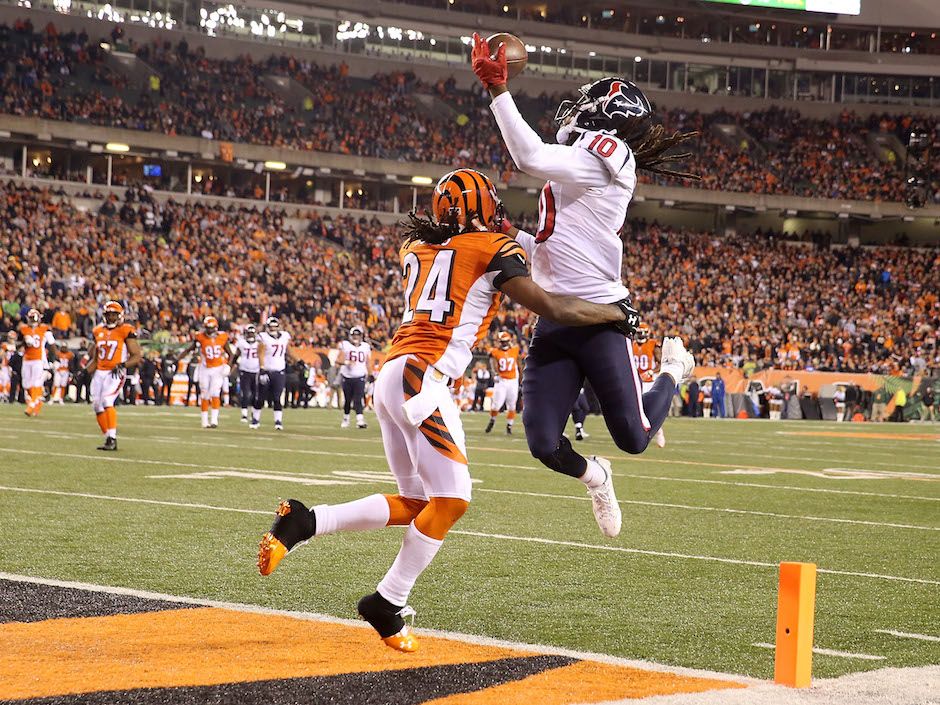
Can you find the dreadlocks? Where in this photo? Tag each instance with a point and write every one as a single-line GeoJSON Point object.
{"type": "Point", "coordinates": [651, 152]}
{"type": "Point", "coordinates": [426, 230]}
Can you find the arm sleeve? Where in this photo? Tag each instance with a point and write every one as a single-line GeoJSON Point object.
{"type": "Point", "coordinates": [555, 162]}
{"type": "Point", "coordinates": [49, 339]}
{"type": "Point", "coordinates": [526, 242]}
{"type": "Point", "coordinates": [508, 262]}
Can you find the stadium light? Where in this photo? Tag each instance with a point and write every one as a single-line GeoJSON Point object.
{"type": "Point", "coordinates": [276, 166]}
{"type": "Point", "coordinates": [117, 147]}
{"type": "Point", "coordinates": [422, 180]}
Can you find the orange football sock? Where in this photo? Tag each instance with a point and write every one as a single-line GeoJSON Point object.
{"type": "Point", "coordinates": [403, 510]}
{"type": "Point", "coordinates": [204, 404]}
{"type": "Point", "coordinates": [216, 403]}
{"type": "Point", "coordinates": [510, 415]}
{"type": "Point", "coordinates": [436, 519]}
{"type": "Point", "coordinates": [102, 418]}
{"type": "Point", "coordinates": [112, 420]}
{"type": "Point", "coordinates": [36, 394]}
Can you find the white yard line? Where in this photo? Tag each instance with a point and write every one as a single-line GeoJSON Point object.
{"type": "Point", "coordinates": [692, 507]}
{"type": "Point", "coordinates": [829, 652]}
{"type": "Point", "coordinates": [500, 537]}
{"type": "Point", "coordinates": [359, 624]}
{"type": "Point", "coordinates": [908, 635]}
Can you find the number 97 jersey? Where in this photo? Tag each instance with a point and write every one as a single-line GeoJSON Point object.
{"type": "Point", "coordinates": [451, 295]}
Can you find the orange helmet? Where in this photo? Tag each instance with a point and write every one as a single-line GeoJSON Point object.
{"type": "Point", "coordinates": [33, 317]}
{"type": "Point", "coordinates": [113, 313]}
{"type": "Point", "coordinates": [504, 339]}
{"type": "Point", "coordinates": [461, 196]}
{"type": "Point", "coordinates": [210, 323]}
{"type": "Point", "coordinates": [643, 333]}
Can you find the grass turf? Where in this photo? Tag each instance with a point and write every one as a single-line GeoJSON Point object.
{"type": "Point", "coordinates": [680, 609]}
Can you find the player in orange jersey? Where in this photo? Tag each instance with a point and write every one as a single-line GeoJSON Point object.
{"type": "Point", "coordinates": [644, 357]}
{"type": "Point", "coordinates": [214, 353]}
{"type": "Point", "coordinates": [506, 390]}
{"type": "Point", "coordinates": [6, 372]}
{"type": "Point", "coordinates": [60, 378]}
{"type": "Point", "coordinates": [115, 351]}
{"type": "Point", "coordinates": [456, 266]}
{"type": "Point", "coordinates": [37, 342]}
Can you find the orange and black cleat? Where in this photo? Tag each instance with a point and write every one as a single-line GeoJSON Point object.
{"type": "Point", "coordinates": [389, 621]}
{"type": "Point", "coordinates": [293, 525]}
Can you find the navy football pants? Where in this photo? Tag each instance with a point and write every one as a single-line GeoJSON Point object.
{"type": "Point", "coordinates": [354, 391]}
{"type": "Point", "coordinates": [270, 389]}
{"type": "Point", "coordinates": [247, 388]}
{"type": "Point", "coordinates": [560, 358]}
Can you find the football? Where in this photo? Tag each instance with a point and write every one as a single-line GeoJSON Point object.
{"type": "Point", "coordinates": [516, 55]}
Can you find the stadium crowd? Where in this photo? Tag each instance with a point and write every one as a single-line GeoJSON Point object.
{"type": "Point", "coordinates": [63, 76]}
{"type": "Point", "coordinates": [749, 300]}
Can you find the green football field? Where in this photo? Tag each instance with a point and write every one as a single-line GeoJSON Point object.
{"type": "Point", "coordinates": [691, 580]}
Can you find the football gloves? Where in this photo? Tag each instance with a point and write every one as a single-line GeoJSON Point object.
{"type": "Point", "coordinates": [631, 321]}
{"type": "Point", "coordinates": [491, 70]}
{"type": "Point", "coordinates": [118, 371]}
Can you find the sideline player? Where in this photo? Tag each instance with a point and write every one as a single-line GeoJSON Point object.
{"type": "Point", "coordinates": [115, 350]}
{"type": "Point", "coordinates": [37, 342]}
{"type": "Point", "coordinates": [246, 357]}
{"type": "Point", "coordinates": [60, 378]}
{"type": "Point", "coordinates": [505, 359]}
{"type": "Point", "coordinates": [214, 349]}
{"type": "Point", "coordinates": [273, 355]}
{"type": "Point", "coordinates": [353, 361]}
{"type": "Point", "coordinates": [455, 270]}
{"type": "Point", "coordinates": [603, 137]}
{"type": "Point", "coordinates": [644, 357]}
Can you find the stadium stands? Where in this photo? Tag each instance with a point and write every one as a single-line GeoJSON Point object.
{"type": "Point", "coordinates": [760, 300]}
{"type": "Point", "coordinates": [776, 151]}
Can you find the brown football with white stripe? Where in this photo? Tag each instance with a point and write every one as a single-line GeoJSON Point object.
{"type": "Point", "coordinates": [516, 55]}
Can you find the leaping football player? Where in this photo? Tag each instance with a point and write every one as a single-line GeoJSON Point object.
{"type": "Point", "coordinates": [456, 265]}
{"type": "Point", "coordinates": [214, 350]}
{"type": "Point", "coordinates": [115, 350]}
{"type": "Point", "coordinates": [37, 342]}
{"type": "Point", "coordinates": [644, 357]}
{"type": "Point", "coordinates": [604, 136]}
{"type": "Point", "coordinates": [505, 359]}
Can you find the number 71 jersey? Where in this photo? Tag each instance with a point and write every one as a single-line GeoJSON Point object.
{"type": "Point", "coordinates": [451, 295]}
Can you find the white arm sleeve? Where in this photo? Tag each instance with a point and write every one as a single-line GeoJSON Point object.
{"type": "Point", "coordinates": [48, 339]}
{"type": "Point", "coordinates": [554, 162]}
{"type": "Point", "coordinates": [527, 243]}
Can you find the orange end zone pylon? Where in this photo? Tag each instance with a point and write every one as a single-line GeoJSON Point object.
{"type": "Point", "coordinates": [796, 605]}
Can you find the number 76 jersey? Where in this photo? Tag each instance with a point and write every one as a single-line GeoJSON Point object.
{"type": "Point", "coordinates": [451, 295]}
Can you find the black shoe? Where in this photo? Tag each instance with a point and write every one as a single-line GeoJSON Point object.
{"type": "Point", "coordinates": [294, 524]}
{"type": "Point", "coordinates": [278, 426]}
{"type": "Point", "coordinates": [508, 430]}
{"type": "Point", "coordinates": [388, 620]}
{"type": "Point", "coordinates": [362, 425]}
{"type": "Point", "coordinates": [578, 434]}
{"type": "Point", "coordinates": [110, 443]}
{"type": "Point", "coordinates": [489, 426]}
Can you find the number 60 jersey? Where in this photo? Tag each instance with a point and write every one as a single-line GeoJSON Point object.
{"type": "Point", "coordinates": [451, 295]}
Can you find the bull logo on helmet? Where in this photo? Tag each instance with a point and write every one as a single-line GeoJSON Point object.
{"type": "Point", "coordinates": [620, 103]}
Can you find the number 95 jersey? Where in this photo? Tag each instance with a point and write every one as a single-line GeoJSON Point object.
{"type": "Point", "coordinates": [451, 295]}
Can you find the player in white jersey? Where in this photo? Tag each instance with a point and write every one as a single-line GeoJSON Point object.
{"type": "Point", "coordinates": [246, 357]}
{"type": "Point", "coordinates": [353, 362]}
{"type": "Point", "coordinates": [273, 355]}
{"type": "Point", "coordinates": [603, 137]}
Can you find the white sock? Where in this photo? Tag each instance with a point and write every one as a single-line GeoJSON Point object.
{"type": "Point", "coordinates": [112, 433]}
{"type": "Point", "coordinates": [214, 416]}
{"type": "Point", "coordinates": [417, 552]}
{"type": "Point", "coordinates": [359, 515]}
{"type": "Point", "coordinates": [594, 475]}
{"type": "Point", "coordinates": [509, 422]}
{"type": "Point", "coordinates": [578, 426]}
{"type": "Point", "coordinates": [673, 369]}
{"type": "Point", "coordinates": [256, 415]}
{"type": "Point", "coordinates": [205, 417]}
{"type": "Point", "coordinates": [278, 415]}
{"type": "Point", "coordinates": [244, 413]}
{"type": "Point", "coordinates": [345, 418]}
{"type": "Point", "coordinates": [360, 419]}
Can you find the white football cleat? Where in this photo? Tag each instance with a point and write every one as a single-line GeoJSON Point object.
{"type": "Point", "coordinates": [604, 501]}
{"type": "Point", "coordinates": [660, 438]}
{"type": "Point", "coordinates": [675, 356]}
{"type": "Point", "coordinates": [344, 423]}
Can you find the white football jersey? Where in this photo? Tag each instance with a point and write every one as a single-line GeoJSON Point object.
{"type": "Point", "coordinates": [357, 359]}
{"type": "Point", "coordinates": [248, 355]}
{"type": "Point", "coordinates": [582, 206]}
{"type": "Point", "coordinates": [275, 350]}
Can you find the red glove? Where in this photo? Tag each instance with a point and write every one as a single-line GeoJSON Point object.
{"type": "Point", "coordinates": [492, 71]}
{"type": "Point", "coordinates": [505, 226]}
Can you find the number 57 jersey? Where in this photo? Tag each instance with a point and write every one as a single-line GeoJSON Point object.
{"type": "Point", "coordinates": [451, 295]}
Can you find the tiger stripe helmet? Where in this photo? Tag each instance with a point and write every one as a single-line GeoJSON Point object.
{"type": "Point", "coordinates": [33, 317]}
{"type": "Point", "coordinates": [504, 338]}
{"type": "Point", "coordinates": [210, 323]}
{"type": "Point", "coordinates": [113, 313]}
{"type": "Point", "coordinates": [465, 194]}
{"type": "Point", "coordinates": [643, 333]}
